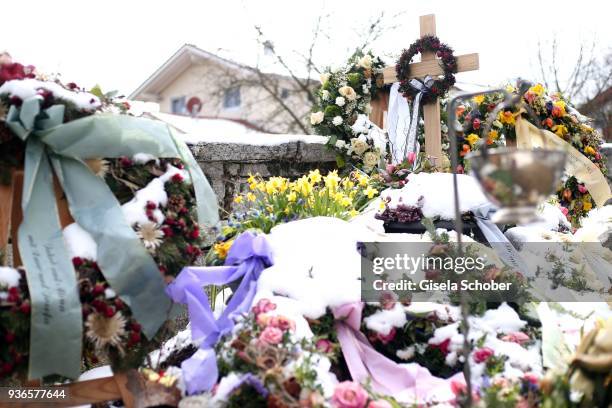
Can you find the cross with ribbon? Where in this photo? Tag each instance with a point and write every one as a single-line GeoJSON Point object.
{"type": "Point", "coordinates": [399, 123]}
{"type": "Point", "coordinates": [57, 148]}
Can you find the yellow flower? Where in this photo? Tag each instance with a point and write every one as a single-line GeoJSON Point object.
{"type": "Point", "coordinates": [560, 130]}
{"type": "Point", "coordinates": [472, 138]}
{"type": "Point", "coordinates": [510, 88]}
{"type": "Point", "coordinates": [346, 201]}
{"type": "Point", "coordinates": [292, 197]}
{"type": "Point", "coordinates": [507, 118]}
{"type": "Point", "coordinates": [353, 212]}
{"type": "Point", "coordinates": [586, 204]}
{"type": "Point", "coordinates": [537, 89]}
{"type": "Point", "coordinates": [251, 179]}
{"type": "Point", "coordinates": [479, 99]}
{"type": "Point", "coordinates": [493, 135]}
{"type": "Point", "coordinates": [314, 176]}
{"type": "Point", "coordinates": [331, 180]}
{"type": "Point", "coordinates": [370, 192]}
{"type": "Point", "coordinates": [238, 199]}
{"type": "Point", "coordinates": [590, 150]}
{"type": "Point", "coordinates": [382, 205]}
{"type": "Point", "coordinates": [222, 248]}
{"type": "Point", "coordinates": [250, 196]}
{"type": "Point", "coordinates": [362, 179]}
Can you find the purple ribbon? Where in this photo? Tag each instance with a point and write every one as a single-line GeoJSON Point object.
{"type": "Point", "coordinates": [249, 255]}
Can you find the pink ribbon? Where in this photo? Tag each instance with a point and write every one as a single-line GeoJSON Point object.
{"type": "Point", "coordinates": [385, 375]}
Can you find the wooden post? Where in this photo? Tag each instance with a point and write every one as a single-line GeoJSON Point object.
{"type": "Point", "coordinates": [431, 111]}
{"type": "Point", "coordinates": [16, 214]}
{"type": "Point", "coordinates": [6, 205]}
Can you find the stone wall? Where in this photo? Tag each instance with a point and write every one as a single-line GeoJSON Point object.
{"type": "Point", "coordinates": [227, 165]}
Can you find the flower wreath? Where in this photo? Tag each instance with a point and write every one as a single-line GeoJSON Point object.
{"type": "Point", "coordinates": [428, 43]}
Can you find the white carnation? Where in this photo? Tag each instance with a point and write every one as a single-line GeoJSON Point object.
{"type": "Point", "coordinates": [325, 94]}
{"type": "Point", "coordinates": [340, 144]}
{"type": "Point", "coordinates": [406, 353]}
{"type": "Point", "coordinates": [340, 101]}
{"type": "Point", "coordinates": [337, 120]}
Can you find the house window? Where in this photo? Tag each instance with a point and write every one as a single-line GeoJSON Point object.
{"type": "Point", "coordinates": [231, 99]}
{"type": "Point", "coordinates": [178, 105]}
{"type": "Point", "coordinates": [284, 93]}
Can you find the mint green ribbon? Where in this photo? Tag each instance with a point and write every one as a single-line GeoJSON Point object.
{"type": "Point", "coordinates": [56, 325]}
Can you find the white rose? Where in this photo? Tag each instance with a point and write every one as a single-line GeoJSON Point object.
{"type": "Point", "coordinates": [324, 77]}
{"type": "Point", "coordinates": [337, 120]}
{"type": "Point", "coordinates": [359, 146]}
{"type": "Point", "coordinates": [340, 144]}
{"type": "Point", "coordinates": [370, 159]}
{"type": "Point", "coordinates": [325, 94]}
{"type": "Point", "coordinates": [316, 118]}
{"type": "Point", "coordinates": [365, 62]}
{"type": "Point", "coordinates": [340, 101]}
{"type": "Point", "coordinates": [348, 92]}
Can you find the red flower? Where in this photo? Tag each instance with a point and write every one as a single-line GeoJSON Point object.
{"type": "Point", "coordinates": [109, 312]}
{"type": "Point", "coordinates": [25, 308]}
{"type": "Point", "coordinates": [387, 338]}
{"type": "Point", "coordinates": [483, 354]}
{"type": "Point", "coordinates": [72, 85]}
{"type": "Point", "coordinates": [195, 234]}
{"type": "Point", "coordinates": [98, 289]}
{"type": "Point", "coordinates": [167, 231]}
{"type": "Point", "coordinates": [77, 261]}
{"type": "Point", "coordinates": [151, 205]}
{"type": "Point", "coordinates": [9, 72]}
{"type": "Point", "coordinates": [548, 122]}
{"type": "Point", "coordinates": [13, 295]}
{"type": "Point", "coordinates": [443, 347]}
{"type": "Point", "coordinates": [125, 162]}
{"type": "Point", "coordinates": [177, 178]}
{"type": "Point", "coordinates": [476, 123]}
{"type": "Point", "coordinates": [135, 337]}
{"type": "Point", "coordinates": [324, 346]}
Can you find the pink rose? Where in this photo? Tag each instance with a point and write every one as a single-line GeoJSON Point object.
{"type": "Point", "coordinates": [532, 378]}
{"type": "Point", "coordinates": [481, 355]}
{"type": "Point", "coordinates": [324, 345]}
{"type": "Point", "coordinates": [349, 394]}
{"type": "Point", "coordinates": [380, 404]}
{"type": "Point", "coordinates": [263, 306]}
{"type": "Point", "coordinates": [411, 157]}
{"type": "Point", "coordinates": [262, 319]}
{"type": "Point", "coordinates": [582, 188]}
{"type": "Point", "coordinates": [564, 210]}
{"type": "Point", "coordinates": [271, 335]}
{"type": "Point", "coordinates": [386, 338]}
{"type": "Point", "coordinates": [390, 168]}
{"type": "Point", "coordinates": [516, 337]}
{"type": "Point", "coordinates": [282, 323]}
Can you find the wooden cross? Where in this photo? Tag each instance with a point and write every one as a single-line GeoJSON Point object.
{"type": "Point", "coordinates": [429, 65]}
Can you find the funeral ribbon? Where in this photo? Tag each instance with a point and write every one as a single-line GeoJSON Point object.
{"type": "Point", "coordinates": [529, 137]}
{"type": "Point", "coordinates": [56, 325]}
{"type": "Point", "coordinates": [499, 241]}
{"type": "Point", "coordinates": [384, 375]}
{"type": "Point", "coordinates": [249, 255]}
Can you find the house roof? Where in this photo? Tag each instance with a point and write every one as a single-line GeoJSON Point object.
{"type": "Point", "coordinates": [174, 66]}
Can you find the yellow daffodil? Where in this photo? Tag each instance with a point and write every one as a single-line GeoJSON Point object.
{"type": "Point", "coordinates": [472, 138]}
{"type": "Point", "coordinates": [381, 205]}
{"type": "Point", "coordinates": [332, 180]}
{"type": "Point", "coordinates": [510, 88]}
{"type": "Point", "coordinates": [370, 192]}
{"type": "Point", "coordinates": [250, 196]}
{"type": "Point", "coordinates": [238, 199]}
{"type": "Point", "coordinates": [292, 197]}
{"type": "Point", "coordinates": [251, 179]}
{"type": "Point", "coordinates": [314, 176]}
{"type": "Point", "coordinates": [479, 99]}
{"type": "Point", "coordinates": [362, 179]}
{"type": "Point", "coordinates": [353, 212]}
{"type": "Point", "coordinates": [494, 135]}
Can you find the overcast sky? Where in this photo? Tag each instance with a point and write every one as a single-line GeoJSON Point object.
{"type": "Point", "coordinates": [118, 44]}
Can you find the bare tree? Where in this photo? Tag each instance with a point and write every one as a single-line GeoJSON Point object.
{"type": "Point", "coordinates": [286, 88]}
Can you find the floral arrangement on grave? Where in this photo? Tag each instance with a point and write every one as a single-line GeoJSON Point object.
{"type": "Point", "coordinates": [278, 200]}
{"type": "Point", "coordinates": [557, 115]}
{"type": "Point", "coordinates": [92, 290]}
{"type": "Point", "coordinates": [342, 108]}
{"type": "Point", "coordinates": [264, 364]}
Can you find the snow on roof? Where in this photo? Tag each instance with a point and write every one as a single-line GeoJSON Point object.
{"type": "Point", "coordinates": [216, 130]}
